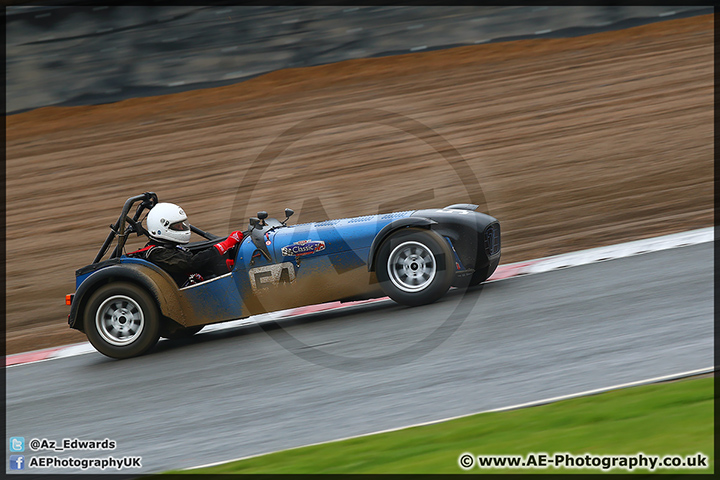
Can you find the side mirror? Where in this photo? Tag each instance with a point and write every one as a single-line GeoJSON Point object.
{"type": "Point", "coordinates": [288, 213]}
{"type": "Point", "coordinates": [254, 222]}
{"type": "Point", "coordinates": [262, 216]}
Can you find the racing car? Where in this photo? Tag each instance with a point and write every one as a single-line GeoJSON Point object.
{"type": "Point", "coordinates": [125, 304]}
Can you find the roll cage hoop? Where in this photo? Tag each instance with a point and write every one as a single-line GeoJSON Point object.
{"type": "Point", "coordinates": [125, 225]}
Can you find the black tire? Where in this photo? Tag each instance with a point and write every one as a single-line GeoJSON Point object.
{"type": "Point", "coordinates": [181, 333]}
{"type": "Point", "coordinates": [122, 320]}
{"type": "Point", "coordinates": [414, 267]}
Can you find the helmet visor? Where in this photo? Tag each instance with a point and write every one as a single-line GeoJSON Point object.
{"type": "Point", "coordinates": [179, 226]}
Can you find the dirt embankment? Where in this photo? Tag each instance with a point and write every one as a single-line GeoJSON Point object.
{"type": "Point", "coordinates": [576, 143]}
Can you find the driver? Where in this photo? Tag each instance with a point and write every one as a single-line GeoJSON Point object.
{"type": "Point", "coordinates": [169, 231]}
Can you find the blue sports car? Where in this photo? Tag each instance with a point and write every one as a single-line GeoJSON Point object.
{"type": "Point", "coordinates": [125, 304]}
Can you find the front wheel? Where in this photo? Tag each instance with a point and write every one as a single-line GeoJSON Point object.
{"type": "Point", "coordinates": [122, 320]}
{"type": "Point", "coordinates": [414, 267]}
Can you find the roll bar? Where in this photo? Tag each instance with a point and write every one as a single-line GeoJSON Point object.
{"type": "Point", "coordinates": [126, 225]}
{"type": "Point", "coordinates": [119, 228]}
{"type": "Point", "coordinates": [202, 233]}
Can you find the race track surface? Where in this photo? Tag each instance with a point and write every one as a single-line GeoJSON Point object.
{"type": "Point", "coordinates": [246, 391]}
{"type": "Point", "coordinates": [575, 143]}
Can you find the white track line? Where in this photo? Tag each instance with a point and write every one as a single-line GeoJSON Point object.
{"type": "Point", "coordinates": [623, 250]}
{"type": "Point", "coordinates": [544, 401]}
{"type": "Point", "coordinates": [530, 267]}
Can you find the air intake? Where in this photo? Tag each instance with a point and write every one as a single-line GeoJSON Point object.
{"type": "Point", "coordinates": [492, 239]}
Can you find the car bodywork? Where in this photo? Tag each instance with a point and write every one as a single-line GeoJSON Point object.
{"type": "Point", "coordinates": [278, 266]}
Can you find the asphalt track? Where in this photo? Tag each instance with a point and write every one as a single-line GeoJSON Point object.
{"type": "Point", "coordinates": [229, 394]}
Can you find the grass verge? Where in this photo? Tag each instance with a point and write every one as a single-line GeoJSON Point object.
{"type": "Point", "coordinates": [674, 418]}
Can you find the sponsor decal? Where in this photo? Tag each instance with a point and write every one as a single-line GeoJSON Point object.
{"type": "Point", "coordinates": [303, 247]}
{"type": "Point", "coordinates": [268, 242]}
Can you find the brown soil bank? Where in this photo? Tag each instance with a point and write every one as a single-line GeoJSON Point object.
{"type": "Point", "coordinates": [576, 143]}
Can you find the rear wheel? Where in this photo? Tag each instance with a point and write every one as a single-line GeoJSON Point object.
{"type": "Point", "coordinates": [121, 320]}
{"type": "Point", "coordinates": [414, 267]}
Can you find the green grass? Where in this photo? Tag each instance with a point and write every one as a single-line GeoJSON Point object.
{"type": "Point", "coordinates": [659, 419]}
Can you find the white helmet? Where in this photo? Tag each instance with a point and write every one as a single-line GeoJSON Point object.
{"type": "Point", "coordinates": [167, 221]}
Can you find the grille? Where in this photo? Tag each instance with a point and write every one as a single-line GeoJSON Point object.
{"type": "Point", "coordinates": [492, 239]}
